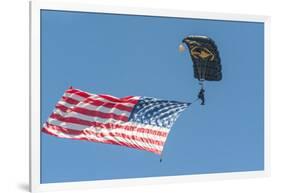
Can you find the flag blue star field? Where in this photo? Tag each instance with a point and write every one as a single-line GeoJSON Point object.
{"type": "Point", "coordinates": [137, 122]}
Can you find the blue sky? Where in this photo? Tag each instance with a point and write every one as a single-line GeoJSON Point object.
{"type": "Point", "coordinates": [136, 55]}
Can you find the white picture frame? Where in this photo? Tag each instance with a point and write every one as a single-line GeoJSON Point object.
{"type": "Point", "coordinates": [36, 6]}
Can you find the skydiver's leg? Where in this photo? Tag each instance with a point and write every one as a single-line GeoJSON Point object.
{"type": "Point", "coordinates": [203, 100]}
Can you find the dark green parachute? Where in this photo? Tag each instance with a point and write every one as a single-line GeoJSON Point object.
{"type": "Point", "coordinates": [206, 60]}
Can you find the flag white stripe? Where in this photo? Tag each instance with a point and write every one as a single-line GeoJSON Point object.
{"type": "Point", "coordinates": [66, 125]}
{"type": "Point", "coordinates": [103, 109]}
{"type": "Point", "coordinates": [87, 117]}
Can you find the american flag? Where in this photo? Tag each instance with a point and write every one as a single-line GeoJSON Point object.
{"type": "Point", "coordinates": [137, 122]}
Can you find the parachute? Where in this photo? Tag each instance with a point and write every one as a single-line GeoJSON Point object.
{"type": "Point", "coordinates": [206, 60]}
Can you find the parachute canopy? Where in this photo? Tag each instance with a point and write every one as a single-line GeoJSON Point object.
{"type": "Point", "coordinates": [205, 57]}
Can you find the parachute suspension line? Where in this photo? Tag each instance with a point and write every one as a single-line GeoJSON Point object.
{"type": "Point", "coordinates": [201, 94]}
{"type": "Point", "coordinates": [202, 68]}
{"type": "Point", "coordinates": [205, 69]}
{"type": "Point", "coordinates": [199, 72]}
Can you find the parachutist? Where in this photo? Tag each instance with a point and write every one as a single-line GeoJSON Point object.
{"type": "Point", "coordinates": [206, 60]}
{"type": "Point", "coordinates": [201, 96]}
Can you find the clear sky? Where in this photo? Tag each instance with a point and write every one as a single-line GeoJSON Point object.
{"type": "Point", "coordinates": [136, 55]}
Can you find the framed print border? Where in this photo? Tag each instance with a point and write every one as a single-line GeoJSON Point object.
{"type": "Point", "coordinates": [34, 145]}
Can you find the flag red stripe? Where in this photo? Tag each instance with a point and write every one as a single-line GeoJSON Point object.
{"type": "Point", "coordinates": [98, 103]}
{"type": "Point", "coordinates": [70, 100]}
{"type": "Point", "coordinates": [107, 125]}
{"type": "Point", "coordinates": [45, 130]}
{"type": "Point", "coordinates": [107, 97]}
{"type": "Point", "coordinates": [63, 108]}
{"type": "Point", "coordinates": [108, 105]}
{"type": "Point", "coordinates": [119, 100]}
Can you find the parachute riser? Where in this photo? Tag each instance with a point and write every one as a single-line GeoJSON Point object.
{"type": "Point", "coordinates": [201, 93]}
